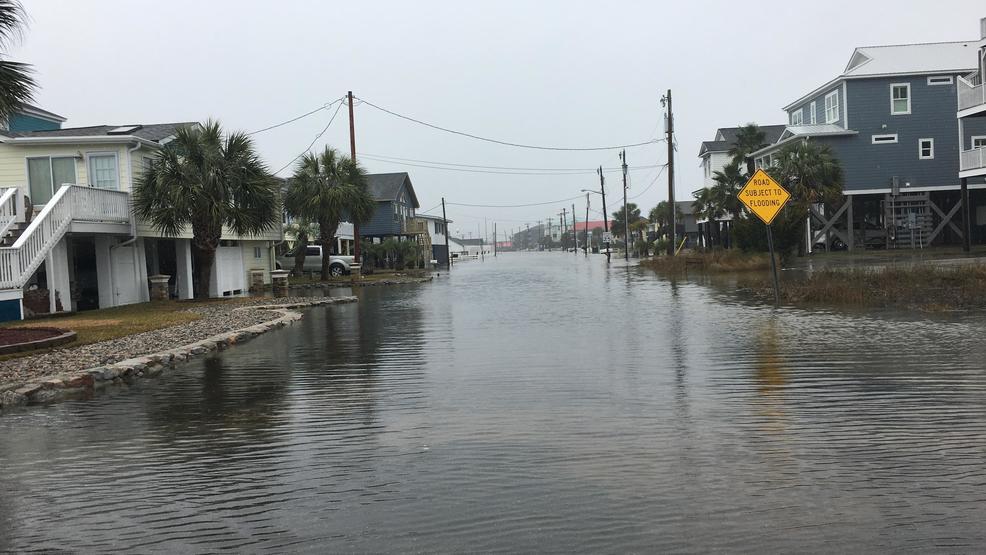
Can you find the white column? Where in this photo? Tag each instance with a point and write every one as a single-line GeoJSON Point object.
{"type": "Point", "coordinates": [140, 271]}
{"type": "Point", "coordinates": [59, 282]}
{"type": "Point", "coordinates": [183, 256]}
{"type": "Point", "coordinates": [104, 271]}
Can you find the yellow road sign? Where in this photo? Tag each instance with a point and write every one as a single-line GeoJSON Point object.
{"type": "Point", "coordinates": [764, 196]}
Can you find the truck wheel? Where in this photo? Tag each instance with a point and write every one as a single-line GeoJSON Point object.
{"type": "Point", "coordinates": [336, 270]}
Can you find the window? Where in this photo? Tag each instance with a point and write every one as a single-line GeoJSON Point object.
{"type": "Point", "coordinates": [103, 171]}
{"type": "Point", "coordinates": [45, 175]}
{"type": "Point", "coordinates": [257, 253]}
{"type": "Point", "coordinates": [707, 166]}
{"type": "Point", "coordinates": [884, 139]}
{"type": "Point", "coordinates": [797, 117]}
{"type": "Point", "coordinates": [940, 80]}
{"type": "Point", "coordinates": [926, 149]}
{"type": "Point", "coordinates": [811, 114]}
{"type": "Point", "coordinates": [978, 141]}
{"type": "Point", "coordinates": [900, 99]}
{"type": "Point", "coordinates": [832, 107]}
{"type": "Point", "coordinates": [313, 251]}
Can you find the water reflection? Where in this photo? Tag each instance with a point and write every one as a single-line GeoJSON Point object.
{"type": "Point", "coordinates": [528, 402]}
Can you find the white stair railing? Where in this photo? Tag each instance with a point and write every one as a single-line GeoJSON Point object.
{"type": "Point", "coordinates": [971, 95]}
{"type": "Point", "coordinates": [8, 210]}
{"type": "Point", "coordinates": [71, 202]}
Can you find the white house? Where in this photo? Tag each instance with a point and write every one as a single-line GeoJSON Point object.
{"type": "Point", "coordinates": [70, 241]}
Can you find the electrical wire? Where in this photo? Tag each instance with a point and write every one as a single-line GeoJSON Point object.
{"type": "Point", "coordinates": [430, 209]}
{"type": "Point", "coordinates": [468, 170]}
{"type": "Point", "coordinates": [292, 120]}
{"type": "Point", "coordinates": [317, 137]}
{"type": "Point", "coordinates": [512, 205]}
{"type": "Point", "coordinates": [458, 165]}
{"type": "Point", "coordinates": [653, 181]}
{"type": "Point", "coordinates": [506, 143]}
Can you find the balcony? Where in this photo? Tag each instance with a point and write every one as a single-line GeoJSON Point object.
{"type": "Point", "coordinates": [413, 226]}
{"type": "Point", "coordinates": [972, 97]}
{"type": "Point", "coordinates": [972, 162]}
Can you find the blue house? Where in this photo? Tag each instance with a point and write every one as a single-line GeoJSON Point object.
{"type": "Point", "coordinates": [396, 205]}
{"type": "Point", "coordinates": [889, 117]}
{"type": "Point", "coordinates": [32, 118]}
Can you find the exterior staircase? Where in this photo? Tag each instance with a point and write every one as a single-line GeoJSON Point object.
{"type": "Point", "coordinates": [25, 245]}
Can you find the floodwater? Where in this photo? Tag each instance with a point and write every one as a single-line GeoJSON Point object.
{"type": "Point", "coordinates": [532, 402]}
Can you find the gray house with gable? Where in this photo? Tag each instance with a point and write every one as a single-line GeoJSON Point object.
{"type": "Point", "coordinates": [889, 117]}
{"type": "Point", "coordinates": [396, 205]}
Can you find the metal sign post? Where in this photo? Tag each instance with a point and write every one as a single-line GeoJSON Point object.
{"type": "Point", "coordinates": [765, 197]}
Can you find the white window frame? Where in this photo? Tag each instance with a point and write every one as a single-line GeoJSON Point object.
{"type": "Point", "coordinates": [921, 155]}
{"type": "Point", "coordinates": [975, 138]}
{"type": "Point", "coordinates": [51, 172]}
{"type": "Point", "coordinates": [90, 173]}
{"type": "Point", "coordinates": [906, 86]}
{"type": "Point", "coordinates": [812, 113]}
{"type": "Point", "coordinates": [798, 117]}
{"type": "Point", "coordinates": [257, 253]}
{"type": "Point", "coordinates": [885, 139]}
{"type": "Point", "coordinates": [938, 80]}
{"type": "Point", "coordinates": [832, 107]}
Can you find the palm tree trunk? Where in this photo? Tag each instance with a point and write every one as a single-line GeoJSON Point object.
{"type": "Point", "coordinates": [204, 260]}
{"type": "Point", "coordinates": [301, 248]}
{"type": "Point", "coordinates": [327, 236]}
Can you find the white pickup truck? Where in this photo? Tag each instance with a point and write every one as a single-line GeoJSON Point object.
{"type": "Point", "coordinates": [339, 265]}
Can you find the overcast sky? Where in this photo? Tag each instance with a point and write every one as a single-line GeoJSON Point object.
{"type": "Point", "coordinates": [570, 74]}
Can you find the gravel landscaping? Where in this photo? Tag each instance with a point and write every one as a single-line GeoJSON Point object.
{"type": "Point", "coordinates": [216, 319]}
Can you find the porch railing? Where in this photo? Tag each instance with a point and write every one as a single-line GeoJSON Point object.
{"type": "Point", "coordinates": [8, 210]}
{"type": "Point", "coordinates": [971, 95]}
{"type": "Point", "coordinates": [71, 202]}
{"type": "Point", "coordinates": [973, 159]}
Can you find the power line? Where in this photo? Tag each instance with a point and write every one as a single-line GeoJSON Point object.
{"type": "Point", "coordinates": [317, 137]}
{"type": "Point", "coordinates": [430, 209]}
{"type": "Point", "coordinates": [513, 205]}
{"type": "Point", "coordinates": [469, 170]}
{"type": "Point", "coordinates": [459, 165]}
{"type": "Point", "coordinates": [292, 120]}
{"type": "Point", "coordinates": [505, 143]}
{"type": "Point", "coordinates": [653, 181]}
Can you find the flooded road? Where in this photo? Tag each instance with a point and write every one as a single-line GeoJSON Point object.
{"type": "Point", "coordinates": [531, 402]}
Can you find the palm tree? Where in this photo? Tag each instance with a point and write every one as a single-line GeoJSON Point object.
{"type": "Point", "coordinates": [661, 216]}
{"type": "Point", "coordinates": [620, 221]}
{"type": "Point", "coordinates": [812, 174]}
{"type": "Point", "coordinates": [303, 231]}
{"type": "Point", "coordinates": [326, 189]}
{"type": "Point", "coordinates": [206, 179]}
{"type": "Point", "coordinates": [16, 84]}
{"type": "Point", "coordinates": [749, 139]}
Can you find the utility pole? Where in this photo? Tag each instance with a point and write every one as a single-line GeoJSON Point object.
{"type": "Point", "coordinates": [602, 191]}
{"type": "Point", "coordinates": [575, 233]}
{"type": "Point", "coordinates": [448, 252]}
{"type": "Point", "coordinates": [564, 225]}
{"type": "Point", "coordinates": [626, 211]}
{"type": "Point", "coordinates": [585, 248]}
{"type": "Point", "coordinates": [670, 120]}
{"type": "Point", "coordinates": [352, 155]}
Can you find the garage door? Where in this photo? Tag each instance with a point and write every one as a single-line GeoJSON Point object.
{"type": "Point", "coordinates": [230, 276]}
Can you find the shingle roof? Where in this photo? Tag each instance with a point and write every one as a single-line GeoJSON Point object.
{"type": "Point", "coordinates": [386, 186]}
{"type": "Point", "coordinates": [155, 132]}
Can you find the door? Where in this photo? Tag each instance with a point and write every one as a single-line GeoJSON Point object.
{"type": "Point", "coordinates": [125, 286]}
{"type": "Point", "coordinates": [230, 275]}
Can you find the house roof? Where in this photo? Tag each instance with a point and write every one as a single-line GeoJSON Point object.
{"type": "Point", "coordinates": [793, 132]}
{"type": "Point", "coordinates": [592, 224]}
{"type": "Point", "coordinates": [904, 59]}
{"type": "Point", "coordinates": [726, 136]}
{"type": "Point", "coordinates": [686, 207]}
{"type": "Point", "coordinates": [31, 110]}
{"type": "Point", "coordinates": [386, 186]}
{"type": "Point", "coordinates": [430, 217]}
{"type": "Point", "coordinates": [155, 132]}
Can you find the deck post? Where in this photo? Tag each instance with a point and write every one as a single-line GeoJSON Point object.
{"type": "Point", "coordinates": [966, 217]}
{"type": "Point", "coordinates": [849, 219]}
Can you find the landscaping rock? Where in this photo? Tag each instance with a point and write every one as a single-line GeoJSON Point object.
{"type": "Point", "coordinates": [10, 399]}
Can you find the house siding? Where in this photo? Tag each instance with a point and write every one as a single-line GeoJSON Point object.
{"type": "Point", "coordinates": [819, 101]}
{"type": "Point", "coordinates": [24, 122]}
{"type": "Point", "coordinates": [383, 223]}
{"type": "Point", "coordinates": [13, 162]}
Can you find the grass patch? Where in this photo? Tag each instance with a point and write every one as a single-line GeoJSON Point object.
{"type": "Point", "coordinates": [110, 323]}
{"type": "Point", "coordinates": [713, 261]}
{"type": "Point", "coordinates": [923, 287]}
